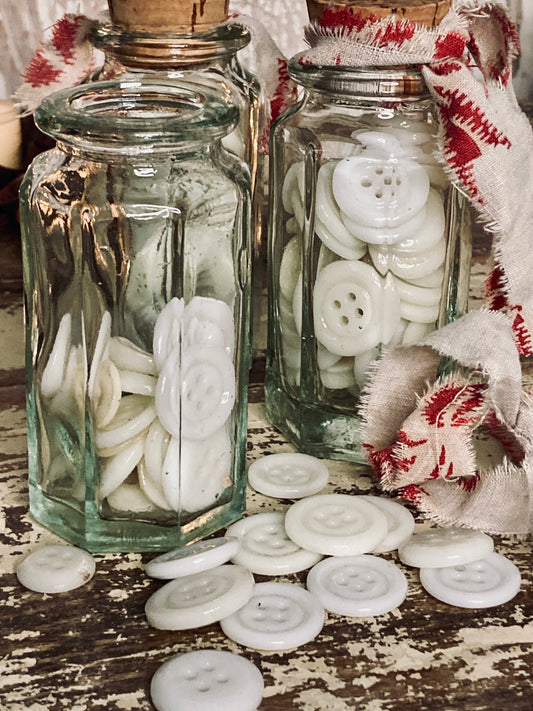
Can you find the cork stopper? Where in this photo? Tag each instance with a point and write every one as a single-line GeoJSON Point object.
{"type": "Point", "coordinates": [168, 16]}
{"type": "Point", "coordinates": [424, 12]}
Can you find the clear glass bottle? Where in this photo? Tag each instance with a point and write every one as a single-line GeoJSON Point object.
{"type": "Point", "coordinates": [207, 55]}
{"type": "Point", "coordinates": [369, 245]}
{"type": "Point", "coordinates": [136, 232]}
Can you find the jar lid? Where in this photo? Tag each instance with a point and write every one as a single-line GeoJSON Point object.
{"type": "Point", "coordinates": [424, 12]}
{"type": "Point", "coordinates": [135, 117]}
{"type": "Point", "coordinates": [167, 15]}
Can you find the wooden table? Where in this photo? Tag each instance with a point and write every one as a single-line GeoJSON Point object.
{"type": "Point", "coordinates": [92, 649]}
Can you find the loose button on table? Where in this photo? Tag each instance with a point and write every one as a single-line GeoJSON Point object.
{"type": "Point", "coordinates": [278, 616]}
{"type": "Point", "coordinates": [56, 569]}
{"type": "Point", "coordinates": [441, 547]}
{"type": "Point", "coordinates": [265, 547]}
{"type": "Point", "coordinates": [288, 475]}
{"type": "Point", "coordinates": [358, 586]}
{"type": "Point", "coordinates": [400, 523]}
{"type": "Point", "coordinates": [481, 583]}
{"type": "Point", "coordinates": [194, 558]}
{"type": "Point", "coordinates": [200, 599]}
{"type": "Point", "coordinates": [207, 680]}
{"type": "Point", "coordinates": [336, 524]}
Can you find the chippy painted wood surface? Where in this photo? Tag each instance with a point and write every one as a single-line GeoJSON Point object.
{"type": "Point", "coordinates": [92, 648]}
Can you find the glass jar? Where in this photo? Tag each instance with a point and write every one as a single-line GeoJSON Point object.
{"type": "Point", "coordinates": [136, 232]}
{"type": "Point", "coordinates": [209, 57]}
{"type": "Point", "coordinates": [369, 245]}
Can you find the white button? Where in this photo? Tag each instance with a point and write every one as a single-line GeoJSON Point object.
{"type": "Point", "coordinates": [207, 680]}
{"type": "Point", "coordinates": [419, 312]}
{"type": "Point", "coordinates": [328, 223]}
{"type": "Point", "coordinates": [336, 524]}
{"type": "Point", "coordinates": [288, 475]}
{"type": "Point", "coordinates": [340, 375]}
{"type": "Point", "coordinates": [106, 393]}
{"type": "Point", "coordinates": [71, 396]}
{"type": "Point", "coordinates": [206, 468]}
{"type": "Point", "coordinates": [194, 558]}
{"type": "Point", "coordinates": [54, 370]}
{"type": "Point", "coordinates": [208, 391]}
{"type": "Point", "coordinates": [361, 365]}
{"type": "Point", "coordinates": [490, 581]}
{"type": "Point", "coordinates": [150, 468]}
{"type": "Point", "coordinates": [415, 332]}
{"type": "Point", "coordinates": [377, 191]}
{"type": "Point", "coordinates": [135, 413]}
{"type": "Point", "coordinates": [265, 547]}
{"type": "Point", "coordinates": [441, 547]}
{"type": "Point", "coordinates": [130, 497]}
{"type": "Point", "coordinates": [420, 295]}
{"type": "Point", "coordinates": [431, 230]}
{"type": "Point", "coordinates": [290, 267]}
{"type": "Point", "coordinates": [279, 616]}
{"type": "Point", "coordinates": [200, 599]}
{"type": "Point", "coordinates": [55, 569]}
{"type": "Point", "coordinates": [358, 586]}
{"type": "Point", "coordinates": [168, 394]}
{"type": "Point", "coordinates": [386, 235]}
{"type": "Point", "coordinates": [408, 265]}
{"type": "Point", "coordinates": [347, 305]}
{"type": "Point", "coordinates": [290, 185]}
{"type": "Point", "coordinates": [171, 474]}
{"type": "Point", "coordinates": [324, 358]}
{"type": "Point", "coordinates": [137, 383]}
{"type": "Point", "coordinates": [127, 356]}
{"type": "Point", "coordinates": [117, 469]}
{"type": "Point", "coordinates": [101, 349]}
{"type": "Point", "coordinates": [167, 331]}
{"type": "Point", "coordinates": [208, 322]}
{"type": "Point", "coordinates": [400, 523]}
{"type": "Point", "coordinates": [431, 280]}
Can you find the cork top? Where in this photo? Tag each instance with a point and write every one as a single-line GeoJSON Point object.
{"type": "Point", "coordinates": [425, 12]}
{"type": "Point", "coordinates": [170, 16]}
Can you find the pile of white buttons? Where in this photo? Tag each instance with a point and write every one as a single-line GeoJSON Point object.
{"type": "Point", "coordinates": [337, 536]}
{"type": "Point", "coordinates": [161, 416]}
{"type": "Point", "coordinates": [379, 215]}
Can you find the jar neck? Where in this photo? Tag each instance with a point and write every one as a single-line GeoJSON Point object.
{"type": "Point", "coordinates": [217, 45]}
{"type": "Point", "coordinates": [394, 85]}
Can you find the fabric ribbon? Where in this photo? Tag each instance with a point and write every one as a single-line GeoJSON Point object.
{"type": "Point", "coordinates": [459, 446]}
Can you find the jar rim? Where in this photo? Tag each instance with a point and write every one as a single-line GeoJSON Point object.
{"type": "Point", "coordinates": [139, 116]}
{"type": "Point", "coordinates": [169, 48]}
{"type": "Point", "coordinates": [394, 82]}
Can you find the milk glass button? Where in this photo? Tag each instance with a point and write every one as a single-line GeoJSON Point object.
{"type": "Point", "coordinates": [265, 547]}
{"type": "Point", "coordinates": [379, 192]}
{"type": "Point", "coordinates": [205, 469]}
{"type": "Point", "coordinates": [490, 581]}
{"type": "Point", "coordinates": [442, 547]}
{"type": "Point", "coordinates": [328, 223]}
{"type": "Point", "coordinates": [200, 599]}
{"type": "Point", "coordinates": [385, 234]}
{"type": "Point", "coordinates": [194, 558]}
{"type": "Point", "coordinates": [130, 497]}
{"type": "Point", "coordinates": [290, 185]}
{"type": "Point", "coordinates": [419, 295]}
{"type": "Point", "coordinates": [431, 230]}
{"type": "Point", "coordinates": [408, 265]}
{"type": "Point", "coordinates": [55, 569]}
{"type": "Point", "coordinates": [415, 332]}
{"type": "Point", "coordinates": [135, 413]}
{"type": "Point", "coordinates": [106, 393]}
{"type": "Point", "coordinates": [100, 349]}
{"type": "Point", "coordinates": [400, 523]}
{"type": "Point", "coordinates": [347, 305]}
{"type": "Point", "coordinates": [207, 680]}
{"type": "Point", "coordinates": [168, 394]}
{"type": "Point", "coordinates": [127, 356]}
{"type": "Point", "coordinates": [339, 375]}
{"type": "Point", "coordinates": [288, 475]}
{"type": "Point", "coordinates": [208, 322]}
{"type": "Point", "coordinates": [336, 524]}
{"type": "Point", "coordinates": [152, 487]}
{"type": "Point", "coordinates": [419, 312]}
{"type": "Point", "coordinates": [208, 391]}
{"type": "Point", "coordinates": [115, 470]}
{"type": "Point", "coordinates": [290, 267]}
{"type": "Point", "coordinates": [278, 616]}
{"type": "Point", "coordinates": [171, 474]}
{"type": "Point", "coordinates": [358, 586]}
{"type": "Point", "coordinates": [53, 373]}
{"type": "Point", "coordinates": [137, 383]}
{"type": "Point", "coordinates": [167, 331]}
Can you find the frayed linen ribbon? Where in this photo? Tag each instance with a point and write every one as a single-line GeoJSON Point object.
{"type": "Point", "coordinates": [460, 447]}
{"type": "Point", "coordinates": [431, 438]}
